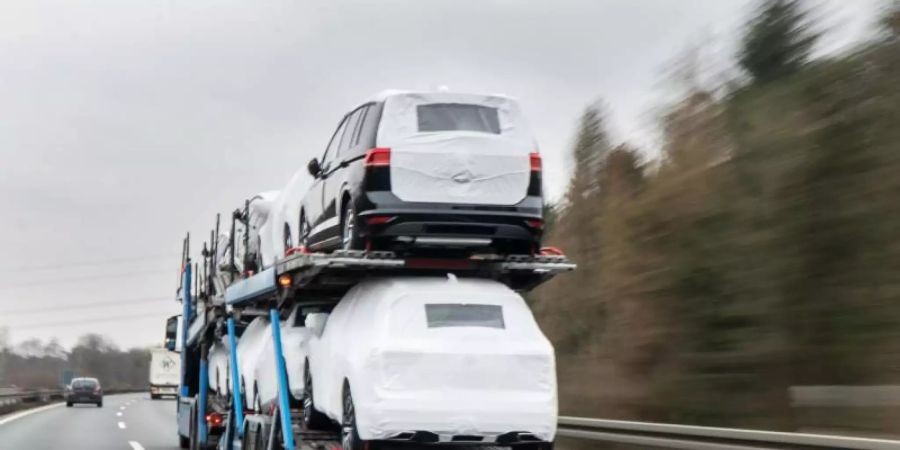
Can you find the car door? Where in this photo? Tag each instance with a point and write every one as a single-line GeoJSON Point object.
{"type": "Point", "coordinates": [334, 177]}
{"type": "Point", "coordinates": [312, 202]}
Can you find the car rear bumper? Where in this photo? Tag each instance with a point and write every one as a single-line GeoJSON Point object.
{"type": "Point", "coordinates": [84, 398]}
{"type": "Point", "coordinates": [456, 420]}
{"type": "Point", "coordinates": [442, 227]}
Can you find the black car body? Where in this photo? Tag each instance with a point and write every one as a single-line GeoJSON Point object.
{"type": "Point", "coordinates": [426, 170]}
{"type": "Point", "coordinates": [84, 390]}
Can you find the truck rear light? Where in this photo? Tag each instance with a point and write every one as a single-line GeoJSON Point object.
{"type": "Point", "coordinates": [379, 220]}
{"type": "Point", "coordinates": [214, 419]}
{"type": "Point", "coordinates": [378, 157]}
{"type": "Point", "coordinates": [535, 161]}
{"type": "Point", "coordinates": [535, 223]}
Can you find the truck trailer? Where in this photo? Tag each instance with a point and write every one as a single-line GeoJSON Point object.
{"type": "Point", "coordinates": [273, 403]}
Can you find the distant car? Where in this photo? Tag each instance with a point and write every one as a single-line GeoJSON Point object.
{"type": "Point", "coordinates": [432, 361]}
{"type": "Point", "coordinates": [84, 390]}
{"type": "Point", "coordinates": [294, 335]}
{"type": "Point", "coordinates": [417, 170]}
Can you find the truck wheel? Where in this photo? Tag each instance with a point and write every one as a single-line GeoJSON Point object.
{"type": "Point", "coordinates": [312, 419]}
{"type": "Point", "coordinates": [349, 434]}
{"type": "Point", "coordinates": [154, 397]}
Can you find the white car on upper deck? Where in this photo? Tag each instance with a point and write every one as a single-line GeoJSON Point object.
{"type": "Point", "coordinates": [432, 360]}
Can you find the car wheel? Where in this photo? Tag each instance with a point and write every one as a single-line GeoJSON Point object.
{"type": "Point", "coordinates": [349, 231]}
{"type": "Point", "coordinates": [100, 404]}
{"type": "Point", "coordinates": [183, 442]}
{"type": "Point", "coordinates": [68, 404]}
{"type": "Point", "coordinates": [312, 419]}
{"type": "Point", "coordinates": [288, 240]}
{"type": "Point", "coordinates": [304, 230]}
{"type": "Point", "coordinates": [349, 433]}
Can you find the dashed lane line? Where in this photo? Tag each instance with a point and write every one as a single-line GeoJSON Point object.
{"type": "Point", "coordinates": [121, 425]}
{"type": "Point", "coordinates": [135, 445]}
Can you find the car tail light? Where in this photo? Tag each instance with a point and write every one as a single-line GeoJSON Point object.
{"type": "Point", "coordinates": [535, 160]}
{"type": "Point", "coordinates": [97, 390]}
{"type": "Point", "coordinates": [379, 220]}
{"type": "Point", "coordinates": [535, 223]}
{"type": "Point", "coordinates": [214, 419]}
{"type": "Point", "coordinates": [378, 157]}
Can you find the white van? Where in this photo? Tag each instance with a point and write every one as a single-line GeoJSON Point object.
{"type": "Point", "coordinates": [165, 372]}
{"type": "Point", "coordinates": [432, 361]}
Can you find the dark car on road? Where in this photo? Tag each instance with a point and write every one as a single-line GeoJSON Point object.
{"type": "Point", "coordinates": [411, 170]}
{"type": "Point", "coordinates": [84, 390]}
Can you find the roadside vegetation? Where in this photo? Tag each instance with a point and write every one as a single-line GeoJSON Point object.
{"type": "Point", "coordinates": [760, 251]}
{"type": "Point", "coordinates": [33, 364]}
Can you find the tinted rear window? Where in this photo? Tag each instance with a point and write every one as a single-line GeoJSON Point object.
{"type": "Point", "coordinates": [461, 315]}
{"type": "Point", "coordinates": [457, 117]}
{"type": "Point", "coordinates": [84, 383]}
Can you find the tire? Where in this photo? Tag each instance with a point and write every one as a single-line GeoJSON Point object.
{"type": "Point", "coordinates": [183, 442]}
{"type": "Point", "coordinates": [350, 239]}
{"type": "Point", "coordinates": [312, 418]}
{"type": "Point", "coordinates": [349, 433]}
{"type": "Point", "coordinates": [68, 404]}
{"type": "Point", "coordinates": [154, 397]}
{"type": "Point", "coordinates": [304, 231]}
{"type": "Point", "coordinates": [100, 404]}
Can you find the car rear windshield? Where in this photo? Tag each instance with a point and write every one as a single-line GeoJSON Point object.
{"type": "Point", "coordinates": [464, 315]}
{"type": "Point", "coordinates": [457, 117]}
{"type": "Point", "coordinates": [84, 383]}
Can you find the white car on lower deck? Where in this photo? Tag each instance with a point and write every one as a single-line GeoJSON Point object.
{"type": "Point", "coordinates": [433, 360]}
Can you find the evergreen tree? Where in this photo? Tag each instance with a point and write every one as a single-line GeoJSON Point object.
{"type": "Point", "coordinates": [777, 41]}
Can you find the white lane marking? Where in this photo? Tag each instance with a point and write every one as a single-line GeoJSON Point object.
{"type": "Point", "coordinates": [122, 408]}
{"type": "Point", "coordinates": [29, 412]}
{"type": "Point", "coordinates": [135, 445]}
{"type": "Point", "coordinates": [121, 425]}
{"type": "Point", "coordinates": [119, 413]}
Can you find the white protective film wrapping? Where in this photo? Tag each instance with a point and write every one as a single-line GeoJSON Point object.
{"type": "Point", "coordinates": [292, 347]}
{"type": "Point", "coordinates": [284, 209]}
{"type": "Point", "coordinates": [405, 375]}
{"type": "Point", "coordinates": [219, 368]}
{"type": "Point", "coordinates": [461, 165]}
{"type": "Point", "coordinates": [249, 350]}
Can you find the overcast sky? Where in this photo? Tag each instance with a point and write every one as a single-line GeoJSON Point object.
{"type": "Point", "coordinates": [124, 124]}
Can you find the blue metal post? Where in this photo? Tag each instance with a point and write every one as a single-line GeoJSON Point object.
{"type": "Point", "coordinates": [235, 381]}
{"type": "Point", "coordinates": [185, 323]}
{"type": "Point", "coordinates": [284, 406]}
{"type": "Point", "coordinates": [201, 396]}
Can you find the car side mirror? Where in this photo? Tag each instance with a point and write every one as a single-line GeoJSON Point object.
{"type": "Point", "coordinates": [314, 167]}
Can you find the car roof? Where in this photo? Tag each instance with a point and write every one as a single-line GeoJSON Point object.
{"type": "Point", "coordinates": [403, 285]}
{"type": "Point", "coordinates": [387, 93]}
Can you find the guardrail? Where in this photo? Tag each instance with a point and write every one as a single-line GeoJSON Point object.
{"type": "Point", "coordinates": [669, 436]}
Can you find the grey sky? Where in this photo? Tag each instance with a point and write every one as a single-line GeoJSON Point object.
{"type": "Point", "coordinates": [124, 124]}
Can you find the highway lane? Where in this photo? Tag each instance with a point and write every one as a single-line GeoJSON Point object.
{"type": "Point", "coordinates": [125, 422]}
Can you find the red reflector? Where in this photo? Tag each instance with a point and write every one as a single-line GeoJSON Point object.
{"type": "Point", "coordinates": [535, 159]}
{"type": "Point", "coordinates": [551, 251]}
{"type": "Point", "coordinates": [379, 220]}
{"type": "Point", "coordinates": [434, 263]}
{"type": "Point", "coordinates": [378, 157]}
{"type": "Point", "coordinates": [534, 223]}
{"type": "Point", "coordinates": [214, 419]}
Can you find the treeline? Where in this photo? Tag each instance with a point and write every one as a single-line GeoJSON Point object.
{"type": "Point", "coordinates": [761, 251]}
{"type": "Point", "coordinates": [33, 364]}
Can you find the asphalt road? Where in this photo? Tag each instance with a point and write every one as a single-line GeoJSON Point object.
{"type": "Point", "coordinates": [125, 422]}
